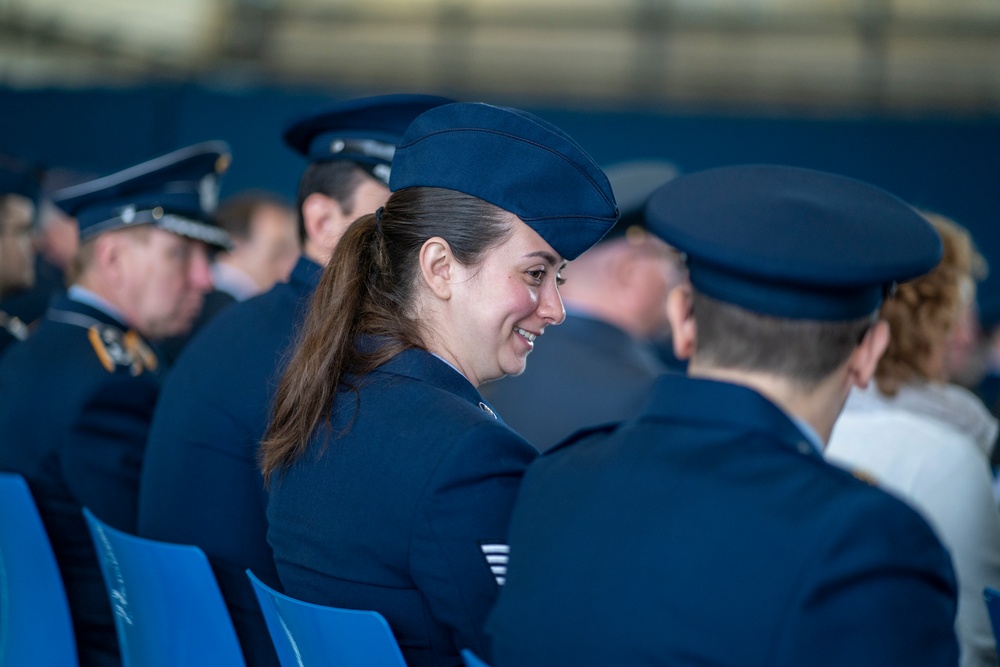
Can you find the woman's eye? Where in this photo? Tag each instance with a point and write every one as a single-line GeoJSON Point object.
{"type": "Point", "coordinates": [560, 281]}
{"type": "Point", "coordinates": [537, 274]}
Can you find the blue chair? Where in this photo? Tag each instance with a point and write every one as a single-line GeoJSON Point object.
{"type": "Point", "coordinates": [167, 605]}
{"type": "Point", "coordinates": [471, 659]}
{"type": "Point", "coordinates": [35, 624]}
{"type": "Point", "coordinates": [992, 597]}
{"type": "Point", "coordinates": [308, 635]}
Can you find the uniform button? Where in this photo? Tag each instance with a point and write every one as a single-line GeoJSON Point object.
{"type": "Point", "coordinates": [804, 447]}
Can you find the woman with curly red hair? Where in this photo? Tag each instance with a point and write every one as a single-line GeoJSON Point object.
{"type": "Point", "coordinates": [929, 441]}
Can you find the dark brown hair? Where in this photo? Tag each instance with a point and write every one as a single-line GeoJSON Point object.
{"type": "Point", "coordinates": [337, 179]}
{"type": "Point", "coordinates": [367, 290]}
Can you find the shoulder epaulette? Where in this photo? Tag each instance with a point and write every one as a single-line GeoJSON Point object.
{"type": "Point", "coordinates": [864, 476]}
{"type": "Point", "coordinates": [115, 347]}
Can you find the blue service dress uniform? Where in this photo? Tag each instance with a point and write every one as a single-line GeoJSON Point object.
{"type": "Point", "coordinates": [581, 373]}
{"type": "Point", "coordinates": [406, 513]}
{"type": "Point", "coordinates": [77, 400]}
{"type": "Point", "coordinates": [200, 480]}
{"type": "Point", "coordinates": [711, 532]}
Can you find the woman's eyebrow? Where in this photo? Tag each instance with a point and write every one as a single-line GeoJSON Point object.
{"type": "Point", "coordinates": [549, 258]}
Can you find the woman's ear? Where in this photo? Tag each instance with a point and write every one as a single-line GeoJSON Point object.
{"type": "Point", "coordinates": [683, 328]}
{"type": "Point", "coordinates": [438, 266]}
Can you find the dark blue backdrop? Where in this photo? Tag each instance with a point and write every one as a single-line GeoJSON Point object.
{"type": "Point", "coordinates": [947, 164]}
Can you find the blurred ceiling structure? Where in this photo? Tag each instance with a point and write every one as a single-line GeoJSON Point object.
{"type": "Point", "coordinates": [896, 56]}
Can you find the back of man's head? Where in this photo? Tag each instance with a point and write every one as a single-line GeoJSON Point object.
{"type": "Point", "coordinates": [804, 351]}
{"type": "Point", "coordinates": [348, 144]}
{"type": "Point", "coordinates": [788, 266]}
{"type": "Point", "coordinates": [337, 180]}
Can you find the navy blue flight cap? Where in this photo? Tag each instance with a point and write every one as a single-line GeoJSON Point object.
{"type": "Point", "coordinates": [364, 131]}
{"type": "Point", "coordinates": [177, 192]}
{"type": "Point", "coordinates": [792, 243]}
{"type": "Point", "coordinates": [18, 177]}
{"type": "Point", "coordinates": [513, 160]}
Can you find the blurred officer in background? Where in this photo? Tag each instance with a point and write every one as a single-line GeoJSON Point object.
{"type": "Point", "coordinates": [19, 184]}
{"type": "Point", "coordinates": [265, 247]}
{"type": "Point", "coordinates": [265, 238]}
{"type": "Point", "coordinates": [598, 365]}
{"type": "Point", "coordinates": [77, 398]}
{"type": "Point", "coordinates": [55, 240]}
{"type": "Point", "coordinates": [710, 530]}
{"type": "Point", "coordinates": [200, 482]}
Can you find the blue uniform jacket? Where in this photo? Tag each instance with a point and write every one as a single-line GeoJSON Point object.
{"type": "Point", "coordinates": [710, 532]}
{"type": "Point", "coordinates": [581, 373]}
{"type": "Point", "coordinates": [76, 400]}
{"type": "Point", "coordinates": [215, 302]}
{"type": "Point", "coordinates": [406, 513]}
{"type": "Point", "coordinates": [200, 482]}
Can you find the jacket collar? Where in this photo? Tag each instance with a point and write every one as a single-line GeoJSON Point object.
{"type": "Point", "coordinates": [680, 399]}
{"type": "Point", "coordinates": [423, 366]}
{"type": "Point", "coordinates": [63, 307]}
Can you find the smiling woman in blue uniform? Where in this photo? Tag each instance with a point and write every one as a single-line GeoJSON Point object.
{"type": "Point", "coordinates": [391, 478]}
{"type": "Point", "coordinates": [200, 481]}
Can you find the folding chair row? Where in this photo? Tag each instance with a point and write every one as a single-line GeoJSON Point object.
{"type": "Point", "coordinates": [35, 623]}
{"type": "Point", "coordinates": [167, 605]}
{"type": "Point", "coordinates": [307, 634]}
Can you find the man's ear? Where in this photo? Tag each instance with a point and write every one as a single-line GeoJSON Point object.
{"type": "Point", "coordinates": [324, 220]}
{"type": "Point", "coordinates": [680, 313]}
{"type": "Point", "coordinates": [109, 252]}
{"type": "Point", "coordinates": [438, 266]}
{"type": "Point", "coordinates": [864, 360]}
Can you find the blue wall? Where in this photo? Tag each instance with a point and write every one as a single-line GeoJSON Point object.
{"type": "Point", "coordinates": [950, 165]}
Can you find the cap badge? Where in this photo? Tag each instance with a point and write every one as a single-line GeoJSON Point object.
{"type": "Point", "coordinates": [222, 163]}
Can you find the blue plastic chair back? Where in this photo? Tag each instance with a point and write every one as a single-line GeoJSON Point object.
{"type": "Point", "coordinates": [992, 597]}
{"type": "Point", "coordinates": [471, 659]}
{"type": "Point", "coordinates": [35, 623]}
{"type": "Point", "coordinates": [310, 635]}
{"type": "Point", "coordinates": [167, 605]}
